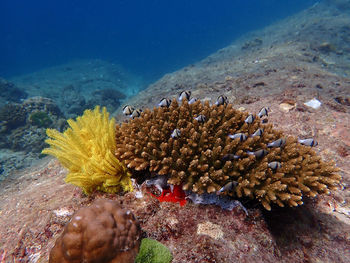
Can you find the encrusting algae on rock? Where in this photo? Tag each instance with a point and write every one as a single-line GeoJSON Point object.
{"type": "Point", "coordinates": [87, 149]}
{"type": "Point", "coordinates": [217, 149]}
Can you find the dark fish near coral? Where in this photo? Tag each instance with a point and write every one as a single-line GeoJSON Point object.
{"type": "Point", "coordinates": [278, 143]}
{"type": "Point", "coordinates": [159, 182]}
{"type": "Point", "coordinates": [200, 118]}
{"type": "Point", "coordinates": [136, 113]}
{"type": "Point", "coordinates": [193, 100]}
{"type": "Point", "coordinates": [229, 187]}
{"type": "Point", "coordinates": [258, 132]}
{"type": "Point", "coordinates": [164, 102]}
{"type": "Point", "coordinates": [259, 153]}
{"type": "Point", "coordinates": [186, 94]}
{"type": "Point", "coordinates": [176, 133]}
{"type": "Point", "coordinates": [230, 157]}
{"type": "Point", "coordinates": [128, 110]}
{"type": "Point", "coordinates": [221, 100]}
{"type": "Point", "coordinates": [224, 202]}
{"type": "Point", "coordinates": [308, 142]}
{"type": "Point", "coordinates": [274, 165]}
{"type": "Point", "coordinates": [241, 136]}
{"type": "Point", "coordinates": [250, 119]}
{"type": "Point", "coordinates": [263, 112]}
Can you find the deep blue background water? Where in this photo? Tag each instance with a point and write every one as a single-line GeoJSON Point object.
{"type": "Point", "coordinates": [149, 38]}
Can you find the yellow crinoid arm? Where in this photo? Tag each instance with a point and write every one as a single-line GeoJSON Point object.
{"type": "Point", "coordinates": [87, 149]}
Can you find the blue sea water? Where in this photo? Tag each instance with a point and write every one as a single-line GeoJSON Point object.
{"type": "Point", "coordinates": [148, 38]}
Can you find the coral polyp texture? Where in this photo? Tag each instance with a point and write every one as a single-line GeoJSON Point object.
{"type": "Point", "coordinates": [86, 149]}
{"type": "Point", "coordinates": [102, 232]}
{"type": "Point", "coordinates": [218, 149]}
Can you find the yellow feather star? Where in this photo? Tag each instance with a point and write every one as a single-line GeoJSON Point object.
{"type": "Point", "coordinates": [87, 150]}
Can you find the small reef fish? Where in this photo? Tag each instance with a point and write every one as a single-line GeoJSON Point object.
{"type": "Point", "coordinates": [225, 202]}
{"type": "Point", "coordinates": [164, 102]}
{"type": "Point", "coordinates": [200, 118]}
{"type": "Point", "coordinates": [259, 153]}
{"type": "Point", "coordinates": [193, 100]}
{"type": "Point", "coordinates": [160, 182]}
{"type": "Point", "coordinates": [221, 100]}
{"type": "Point", "coordinates": [230, 157]}
{"type": "Point", "coordinates": [258, 132]}
{"type": "Point", "coordinates": [230, 186]}
{"type": "Point", "coordinates": [308, 142]}
{"type": "Point", "coordinates": [136, 113]}
{"type": "Point", "coordinates": [274, 165]}
{"type": "Point", "coordinates": [128, 110]}
{"type": "Point", "coordinates": [186, 94]}
{"type": "Point", "coordinates": [176, 133]}
{"type": "Point", "coordinates": [278, 143]}
{"type": "Point", "coordinates": [263, 112]}
{"type": "Point", "coordinates": [249, 119]}
{"type": "Point", "coordinates": [241, 136]}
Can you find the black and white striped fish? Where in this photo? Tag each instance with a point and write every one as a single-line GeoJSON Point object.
{"type": "Point", "coordinates": [241, 136]}
{"type": "Point", "coordinates": [278, 143]}
{"type": "Point", "coordinates": [263, 112]}
{"type": "Point", "coordinates": [127, 110]}
{"type": "Point", "coordinates": [136, 113]}
{"type": "Point", "coordinates": [200, 118]}
{"type": "Point", "coordinates": [250, 119]}
{"type": "Point", "coordinates": [229, 187]}
{"type": "Point", "coordinates": [193, 100]}
{"type": "Point", "coordinates": [164, 102]}
{"type": "Point", "coordinates": [274, 165]}
{"type": "Point", "coordinates": [186, 94]}
{"type": "Point", "coordinates": [259, 153]}
{"type": "Point", "coordinates": [176, 134]}
{"type": "Point", "coordinates": [308, 142]}
{"type": "Point", "coordinates": [258, 132]}
{"type": "Point", "coordinates": [221, 100]}
{"type": "Point", "coordinates": [230, 157]}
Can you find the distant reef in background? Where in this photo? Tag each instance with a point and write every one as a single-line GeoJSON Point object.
{"type": "Point", "coordinates": [46, 99]}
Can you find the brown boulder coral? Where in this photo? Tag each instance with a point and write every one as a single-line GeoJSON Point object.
{"type": "Point", "coordinates": [100, 233]}
{"type": "Point", "coordinates": [216, 148]}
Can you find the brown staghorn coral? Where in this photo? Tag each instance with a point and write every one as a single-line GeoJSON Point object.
{"type": "Point", "coordinates": [198, 154]}
{"type": "Point", "coordinates": [100, 233]}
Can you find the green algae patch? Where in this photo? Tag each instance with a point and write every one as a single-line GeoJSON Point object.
{"type": "Point", "coordinates": [40, 119]}
{"type": "Point", "coordinates": [152, 251]}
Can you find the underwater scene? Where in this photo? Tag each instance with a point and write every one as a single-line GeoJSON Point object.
{"type": "Point", "coordinates": [175, 131]}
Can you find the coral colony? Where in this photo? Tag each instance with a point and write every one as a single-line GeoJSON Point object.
{"type": "Point", "coordinates": [101, 232]}
{"type": "Point", "coordinates": [215, 149]}
{"type": "Point", "coordinates": [206, 153]}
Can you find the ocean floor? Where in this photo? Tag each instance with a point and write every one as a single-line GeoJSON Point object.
{"type": "Point", "coordinates": [304, 57]}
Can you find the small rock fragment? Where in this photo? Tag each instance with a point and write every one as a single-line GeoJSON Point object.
{"type": "Point", "coordinates": [314, 103]}
{"type": "Point", "coordinates": [210, 229]}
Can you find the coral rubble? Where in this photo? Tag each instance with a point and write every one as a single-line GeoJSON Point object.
{"type": "Point", "coordinates": [223, 146]}
{"type": "Point", "coordinates": [102, 232]}
{"type": "Point", "coordinates": [86, 149]}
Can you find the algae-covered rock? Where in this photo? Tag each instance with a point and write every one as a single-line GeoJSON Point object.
{"type": "Point", "coordinates": [40, 119]}
{"type": "Point", "coordinates": [12, 115]}
{"type": "Point", "coordinates": [152, 251]}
